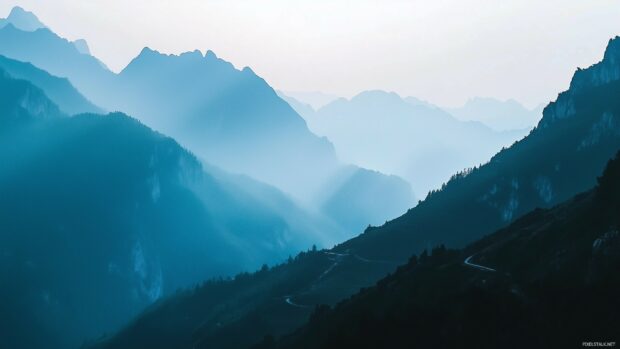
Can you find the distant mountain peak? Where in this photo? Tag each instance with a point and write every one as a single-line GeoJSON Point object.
{"type": "Point", "coordinates": [153, 59]}
{"type": "Point", "coordinates": [211, 55]}
{"type": "Point", "coordinates": [148, 51]}
{"type": "Point", "coordinates": [82, 46]}
{"type": "Point", "coordinates": [23, 20]}
{"type": "Point", "coordinates": [377, 96]}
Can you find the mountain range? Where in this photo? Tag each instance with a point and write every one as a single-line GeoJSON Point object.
{"type": "Point", "coordinates": [227, 117]}
{"type": "Point", "coordinates": [404, 136]}
{"type": "Point", "coordinates": [547, 280]}
{"type": "Point", "coordinates": [101, 215]}
{"type": "Point", "coordinates": [139, 228]}
{"type": "Point", "coordinates": [543, 255]}
{"type": "Point", "coordinates": [498, 115]}
{"type": "Point", "coordinates": [22, 20]}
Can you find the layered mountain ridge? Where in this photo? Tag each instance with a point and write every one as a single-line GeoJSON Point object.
{"type": "Point", "coordinates": [227, 117]}
{"type": "Point", "coordinates": [101, 215]}
{"type": "Point", "coordinates": [562, 157]}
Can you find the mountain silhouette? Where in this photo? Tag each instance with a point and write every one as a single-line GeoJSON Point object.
{"type": "Point", "coordinates": [315, 99]}
{"type": "Point", "coordinates": [22, 19]}
{"type": "Point", "coordinates": [228, 117]}
{"type": "Point", "coordinates": [414, 140]}
{"type": "Point", "coordinates": [60, 91]}
{"type": "Point", "coordinates": [101, 215]}
{"type": "Point", "coordinates": [498, 115]}
{"type": "Point", "coordinates": [553, 281]}
{"type": "Point", "coordinates": [354, 197]}
{"type": "Point", "coordinates": [59, 57]}
{"type": "Point", "coordinates": [560, 158]}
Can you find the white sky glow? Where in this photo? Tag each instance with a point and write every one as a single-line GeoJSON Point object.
{"type": "Point", "coordinates": [444, 51]}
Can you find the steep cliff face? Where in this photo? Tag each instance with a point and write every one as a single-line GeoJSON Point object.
{"type": "Point", "coordinates": [601, 73]}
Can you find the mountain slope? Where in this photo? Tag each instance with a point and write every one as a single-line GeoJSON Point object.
{"type": "Point", "coordinates": [230, 118]}
{"type": "Point", "coordinates": [22, 19]}
{"type": "Point", "coordinates": [548, 280]}
{"type": "Point", "coordinates": [59, 90]}
{"type": "Point", "coordinates": [59, 57]}
{"type": "Point", "coordinates": [356, 198]}
{"type": "Point", "coordinates": [498, 115]}
{"type": "Point", "coordinates": [411, 139]}
{"type": "Point", "coordinates": [559, 159]}
{"type": "Point", "coordinates": [100, 215]}
{"type": "Point", "coordinates": [578, 133]}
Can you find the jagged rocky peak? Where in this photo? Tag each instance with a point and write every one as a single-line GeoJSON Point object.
{"type": "Point", "coordinates": [602, 72]}
{"type": "Point", "coordinates": [598, 74]}
{"type": "Point", "coordinates": [149, 56]}
{"type": "Point", "coordinates": [23, 20]}
{"type": "Point", "coordinates": [82, 46]}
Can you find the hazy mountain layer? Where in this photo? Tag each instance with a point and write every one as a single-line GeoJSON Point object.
{"type": "Point", "coordinates": [100, 217]}
{"type": "Point", "coordinates": [548, 280]}
{"type": "Point", "coordinates": [408, 138]}
{"type": "Point", "coordinates": [577, 135]}
{"type": "Point", "coordinates": [498, 115]}
{"type": "Point", "coordinates": [228, 117]}
{"type": "Point", "coordinates": [59, 90]}
{"type": "Point", "coordinates": [563, 156]}
{"type": "Point", "coordinates": [22, 20]}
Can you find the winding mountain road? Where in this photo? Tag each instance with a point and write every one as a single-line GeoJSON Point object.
{"type": "Point", "coordinates": [468, 263]}
{"type": "Point", "coordinates": [336, 258]}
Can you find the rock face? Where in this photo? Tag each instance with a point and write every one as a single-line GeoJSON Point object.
{"type": "Point", "coordinates": [601, 73]}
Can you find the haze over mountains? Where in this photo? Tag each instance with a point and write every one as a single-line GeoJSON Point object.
{"type": "Point", "coordinates": [137, 213]}
{"type": "Point", "coordinates": [22, 20]}
{"type": "Point", "coordinates": [121, 232]}
{"type": "Point", "coordinates": [562, 157]}
{"type": "Point", "coordinates": [499, 115]}
{"type": "Point", "coordinates": [230, 118]}
{"type": "Point", "coordinates": [559, 263]}
{"type": "Point", "coordinates": [405, 137]}
{"type": "Point", "coordinates": [314, 99]}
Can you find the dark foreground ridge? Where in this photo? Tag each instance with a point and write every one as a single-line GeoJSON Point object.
{"type": "Point", "coordinates": [553, 284]}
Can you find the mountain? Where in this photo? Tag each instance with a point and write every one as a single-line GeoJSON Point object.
{"type": "Point", "coordinates": [227, 117]}
{"type": "Point", "coordinates": [22, 20]}
{"type": "Point", "coordinates": [303, 109]}
{"type": "Point", "coordinates": [418, 142]}
{"type": "Point", "coordinates": [314, 99]}
{"type": "Point", "coordinates": [560, 158]}
{"type": "Point", "coordinates": [59, 57]}
{"type": "Point", "coordinates": [59, 90]}
{"type": "Point", "coordinates": [498, 115]}
{"type": "Point", "coordinates": [547, 280]}
{"type": "Point", "coordinates": [82, 46]}
{"type": "Point", "coordinates": [100, 216]}
{"type": "Point", "coordinates": [355, 198]}
{"type": "Point", "coordinates": [231, 118]}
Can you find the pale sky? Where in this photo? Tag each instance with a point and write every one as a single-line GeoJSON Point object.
{"type": "Point", "coordinates": [444, 51]}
